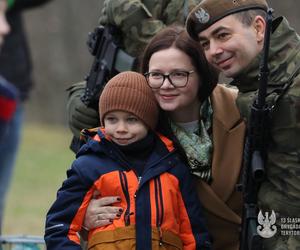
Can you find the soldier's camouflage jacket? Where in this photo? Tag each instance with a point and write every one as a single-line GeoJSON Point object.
{"type": "Point", "coordinates": [281, 190]}
{"type": "Point", "coordinates": [140, 20]}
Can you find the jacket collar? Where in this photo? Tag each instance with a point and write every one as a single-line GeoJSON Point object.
{"type": "Point", "coordinates": [97, 142]}
{"type": "Point", "coordinates": [228, 134]}
{"type": "Point", "coordinates": [225, 114]}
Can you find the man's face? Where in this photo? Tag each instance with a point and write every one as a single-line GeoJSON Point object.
{"type": "Point", "coordinates": [4, 27]}
{"type": "Point", "coordinates": [230, 45]}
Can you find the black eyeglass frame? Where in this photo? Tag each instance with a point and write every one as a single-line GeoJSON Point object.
{"type": "Point", "coordinates": [168, 76]}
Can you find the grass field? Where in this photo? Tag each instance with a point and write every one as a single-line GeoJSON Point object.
{"type": "Point", "coordinates": [43, 159]}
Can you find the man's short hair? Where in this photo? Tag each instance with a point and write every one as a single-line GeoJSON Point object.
{"type": "Point", "coordinates": [247, 17]}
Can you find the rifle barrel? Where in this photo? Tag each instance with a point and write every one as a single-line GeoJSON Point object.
{"type": "Point", "coordinates": [264, 69]}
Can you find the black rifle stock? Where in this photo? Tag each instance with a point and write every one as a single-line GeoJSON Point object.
{"type": "Point", "coordinates": [255, 152]}
{"type": "Point", "coordinates": [103, 44]}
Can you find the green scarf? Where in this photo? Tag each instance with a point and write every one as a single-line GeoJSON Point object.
{"type": "Point", "coordinates": [198, 145]}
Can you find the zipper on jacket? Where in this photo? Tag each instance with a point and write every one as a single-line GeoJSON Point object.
{"type": "Point", "coordinates": [139, 179]}
{"type": "Point", "coordinates": [124, 183]}
{"type": "Point", "coordinates": [159, 207]}
{"type": "Point", "coordinates": [153, 164]}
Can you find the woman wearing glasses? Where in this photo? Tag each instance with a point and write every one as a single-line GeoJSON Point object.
{"type": "Point", "coordinates": [202, 116]}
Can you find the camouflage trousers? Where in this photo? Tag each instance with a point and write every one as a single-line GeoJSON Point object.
{"type": "Point", "coordinates": [282, 242]}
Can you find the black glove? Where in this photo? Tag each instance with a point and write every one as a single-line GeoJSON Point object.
{"type": "Point", "coordinates": [79, 115]}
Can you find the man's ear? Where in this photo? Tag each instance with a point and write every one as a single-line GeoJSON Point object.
{"type": "Point", "coordinates": [259, 24]}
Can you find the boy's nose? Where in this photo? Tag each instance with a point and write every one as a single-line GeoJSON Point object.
{"type": "Point", "coordinates": [121, 127]}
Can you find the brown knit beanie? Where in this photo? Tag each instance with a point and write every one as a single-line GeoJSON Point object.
{"type": "Point", "coordinates": [208, 12]}
{"type": "Point", "coordinates": [129, 91]}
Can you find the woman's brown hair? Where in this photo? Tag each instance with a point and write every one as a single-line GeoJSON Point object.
{"type": "Point", "coordinates": [177, 37]}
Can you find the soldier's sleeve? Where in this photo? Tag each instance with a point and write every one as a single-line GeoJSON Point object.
{"type": "Point", "coordinates": [133, 19]}
{"type": "Point", "coordinates": [177, 11]}
{"type": "Point", "coordinates": [79, 115]}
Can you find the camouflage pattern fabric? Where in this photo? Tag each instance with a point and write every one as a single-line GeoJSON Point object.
{"type": "Point", "coordinates": [140, 20]}
{"type": "Point", "coordinates": [281, 190]}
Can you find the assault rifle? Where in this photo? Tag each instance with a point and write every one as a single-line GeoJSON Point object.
{"type": "Point", "coordinates": [255, 152]}
{"type": "Point", "coordinates": [104, 44]}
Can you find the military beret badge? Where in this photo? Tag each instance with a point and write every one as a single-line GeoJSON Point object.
{"type": "Point", "coordinates": [202, 16]}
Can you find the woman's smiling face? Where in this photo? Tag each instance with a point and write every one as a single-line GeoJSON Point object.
{"type": "Point", "coordinates": [182, 100]}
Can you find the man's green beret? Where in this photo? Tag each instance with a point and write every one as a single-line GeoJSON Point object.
{"type": "Point", "coordinates": [210, 11]}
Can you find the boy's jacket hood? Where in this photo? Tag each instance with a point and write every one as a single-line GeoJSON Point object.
{"type": "Point", "coordinates": [93, 141]}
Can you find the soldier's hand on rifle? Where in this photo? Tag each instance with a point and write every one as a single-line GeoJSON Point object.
{"type": "Point", "coordinates": [79, 115]}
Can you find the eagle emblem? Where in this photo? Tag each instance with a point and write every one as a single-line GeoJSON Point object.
{"type": "Point", "coordinates": [266, 228]}
{"type": "Point", "coordinates": [202, 16]}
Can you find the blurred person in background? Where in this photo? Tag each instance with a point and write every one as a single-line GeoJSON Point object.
{"type": "Point", "coordinates": [8, 93]}
{"type": "Point", "coordinates": [138, 21]}
{"type": "Point", "coordinates": [15, 67]}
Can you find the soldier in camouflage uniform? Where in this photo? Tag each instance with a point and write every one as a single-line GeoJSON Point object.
{"type": "Point", "coordinates": [219, 31]}
{"type": "Point", "coordinates": [139, 21]}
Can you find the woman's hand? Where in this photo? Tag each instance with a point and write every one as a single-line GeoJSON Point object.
{"type": "Point", "coordinates": [100, 212]}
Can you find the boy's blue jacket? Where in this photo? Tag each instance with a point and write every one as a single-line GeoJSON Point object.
{"type": "Point", "coordinates": [160, 207]}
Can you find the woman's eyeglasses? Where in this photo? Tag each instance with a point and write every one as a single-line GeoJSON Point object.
{"type": "Point", "coordinates": [178, 79]}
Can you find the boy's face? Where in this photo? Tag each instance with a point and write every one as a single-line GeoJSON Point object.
{"type": "Point", "coordinates": [230, 45]}
{"type": "Point", "coordinates": [124, 128]}
{"type": "Point", "coordinates": [4, 27]}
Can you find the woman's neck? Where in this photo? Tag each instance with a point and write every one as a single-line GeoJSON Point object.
{"type": "Point", "coordinates": [186, 115]}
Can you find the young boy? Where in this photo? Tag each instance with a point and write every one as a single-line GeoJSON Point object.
{"type": "Point", "coordinates": [126, 158]}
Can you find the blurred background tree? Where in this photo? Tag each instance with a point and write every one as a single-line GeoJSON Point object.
{"type": "Point", "coordinates": [57, 35]}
